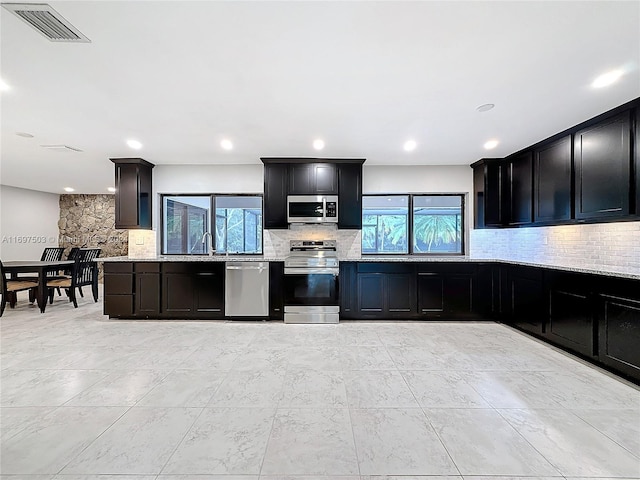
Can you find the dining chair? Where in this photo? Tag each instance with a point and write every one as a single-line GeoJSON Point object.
{"type": "Point", "coordinates": [84, 271]}
{"type": "Point", "coordinates": [10, 287]}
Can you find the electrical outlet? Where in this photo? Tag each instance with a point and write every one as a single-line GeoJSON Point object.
{"type": "Point", "coordinates": [140, 241]}
{"type": "Point", "coordinates": [545, 240]}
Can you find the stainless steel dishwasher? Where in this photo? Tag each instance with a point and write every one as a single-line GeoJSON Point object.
{"type": "Point", "coordinates": [246, 289]}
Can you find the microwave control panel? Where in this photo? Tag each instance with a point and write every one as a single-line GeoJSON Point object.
{"type": "Point", "coordinates": [332, 209]}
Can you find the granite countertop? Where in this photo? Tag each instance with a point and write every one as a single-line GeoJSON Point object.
{"type": "Point", "coordinates": [611, 271]}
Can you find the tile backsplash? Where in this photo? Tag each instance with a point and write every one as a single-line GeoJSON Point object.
{"type": "Point", "coordinates": [276, 242]}
{"type": "Point", "coordinates": [610, 245]}
{"type": "Point", "coordinates": [142, 244]}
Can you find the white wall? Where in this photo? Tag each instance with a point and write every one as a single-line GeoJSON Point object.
{"type": "Point", "coordinates": [208, 179]}
{"type": "Point", "coordinates": [28, 223]}
{"type": "Point", "coordinates": [417, 179]}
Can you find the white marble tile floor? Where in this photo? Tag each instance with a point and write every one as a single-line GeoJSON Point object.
{"type": "Point", "coordinates": [83, 397]}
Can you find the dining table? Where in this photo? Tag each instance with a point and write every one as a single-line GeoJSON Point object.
{"type": "Point", "coordinates": [41, 268]}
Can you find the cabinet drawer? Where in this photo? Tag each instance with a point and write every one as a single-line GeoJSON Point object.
{"type": "Point", "coordinates": [118, 267]}
{"type": "Point", "coordinates": [118, 284]}
{"type": "Point", "coordinates": [118, 305]}
{"type": "Point", "coordinates": [385, 267]}
{"type": "Point", "coordinates": [147, 267]}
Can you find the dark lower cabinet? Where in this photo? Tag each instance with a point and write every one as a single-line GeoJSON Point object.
{"type": "Point", "coordinates": [177, 290]}
{"type": "Point", "coordinates": [147, 291]}
{"type": "Point", "coordinates": [619, 334]}
{"type": "Point", "coordinates": [445, 295]}
{"type": "Point", "coordinates": [276, 294]}
{"type": "Point", "coordinates": [118, 289]}
{"type": "Point", "coordinates": [527, 291]}
{"type": "Point", "coordinates": [400, 293]}
{"type": "Point", "coordinates": [386, 291]}
{"type": "Point", "coordinates": [208, 293]}
{"type": "Point", "coordinates": [370, 295]}
{"type": "Point", "coordinates": [430, 294]}
{"type": "Point", "coordinates": [347, 290]}
{"type": "Point", "coordinates": [571, 321]}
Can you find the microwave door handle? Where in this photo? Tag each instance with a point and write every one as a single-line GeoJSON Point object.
{"type": "Point", "coordinates": [324, 209]}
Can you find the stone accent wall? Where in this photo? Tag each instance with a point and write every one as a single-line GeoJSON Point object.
{"type": "Point", "coordinates": [88, 221]}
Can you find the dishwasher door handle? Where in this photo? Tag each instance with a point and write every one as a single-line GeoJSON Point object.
{"type": "Point", "coordinates": [245, 268]}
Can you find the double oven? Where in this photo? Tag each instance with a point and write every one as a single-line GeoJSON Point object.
{"type": "Point", "coordinates": [311, 284]}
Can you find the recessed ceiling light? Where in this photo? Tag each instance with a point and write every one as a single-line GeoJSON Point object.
{"type": "Point", "coordinates": [69, 189]}
{"type": "Point", "coordinates": [485, 107]}
{"type": "Point", "coordinates": [318, 144]}
{"type": "Point", "coordinates": [3, 86]}
{"type": "Point", "coordinates": [24, 134]}
{"type": "Point", "coordinates": [410, 145]}
{"type": "Point", "coordinates": [226, 144]}
{"type": "Point", "coordinates": [135, 144]}
{"type": "Point", "coordinates": [111, 189]}
{"type": "Point", "coordinates": [491, 144]}
{"type": "Point", "coordinates": [607, 79]}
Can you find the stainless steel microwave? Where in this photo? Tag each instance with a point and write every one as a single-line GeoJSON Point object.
{"type": "Point", "coordinates": [312, 209]}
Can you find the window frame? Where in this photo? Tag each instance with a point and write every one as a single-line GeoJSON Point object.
{"type": "Point", "coordinates": [410, 224]}
{"type": "Point", "coordinates": [212, 219]}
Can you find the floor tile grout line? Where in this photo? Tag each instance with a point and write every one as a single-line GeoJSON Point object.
{"type": "Point", "coordinates": [175, 449]}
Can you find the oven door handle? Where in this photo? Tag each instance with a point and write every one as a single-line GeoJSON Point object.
{"type": "Point", "coordinates": [311, 270]}
{"type": "Point", "coordinates": [324, 209]}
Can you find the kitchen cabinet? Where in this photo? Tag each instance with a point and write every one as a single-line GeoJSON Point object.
{"type": "Point", "coordinates": [208, 294]}
{"type": "Point", "coordinates": [133, 193]}
{"type": "Point", "coordinates": [385, 291]}
{"type": "Point", "coordinates": [118, 289]}
{"type": "Point", "coordinates": [147, 289]}
{"type": "Point", "coordinates": [527, 307]}
{"type": "Point", "coordinates": [571, 322]}
{"type": "Point", "coordinates": [619, 331]}
{"type": "Point", "coordinates": [177, 289]}
{"type": "Point", "coordinates": [552, 181]}
{"type": "Point", "coordinates": [602, 159]}
{"type": "Point", "coordinates": [276, 184]}
{"type": "Point", "coordinates": [276, 295]}
{"type": "Point", "coordinates": [519, 201]}
{"type": "Point", "coordinates": [347, 290]}
{"type": "Point", "coordinates": [637, 159]}
{"type": "Point", "coordinates": [313, 179]}
{"type": "Point", "coordinates": [488, 187]}
{"type": "Point", "coordinates": [350, 195]}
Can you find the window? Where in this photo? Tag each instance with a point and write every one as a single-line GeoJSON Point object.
{"type": "Point", "coordinates": [435, 225]}
{"type": "Point", "coordinates": [385, 224]}
{"type": "Point", "coordinates": [239, 224]}
{"type": "Point", "coordinates": [186, 218]}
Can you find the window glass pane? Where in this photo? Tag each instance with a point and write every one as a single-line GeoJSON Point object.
{"type": "Point", "coordinates": [185, 219]}
{"type": "Point", "coordinates": [239, 224]}
{"type": "Point", "coordinates": [385, 224]}
{"type": "Point", "coordinates": [437, 224]}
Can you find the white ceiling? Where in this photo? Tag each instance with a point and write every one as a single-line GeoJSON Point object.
{"type": "Point", "coordinates": [365, 76]}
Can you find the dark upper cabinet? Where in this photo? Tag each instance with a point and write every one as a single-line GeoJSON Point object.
{"type": "Point", "coordinates": [350, 199]}
{"type": "Point", "coordinates": [637, 159]}
{"type": "Point", "coordinates": [519, 181]}
{"type": "Point", "coordinates": [133, 193]}
{"type": "Point", "coordinates": [488, 186]}
{"type": "Point", "coordinates": [276, 183]}
{"type": "Point", "coordinates": [313, 179]}
{"type": "Point", "coordinates": [602, 161]}
{"type": "Point", "coordinates": [552, 181]}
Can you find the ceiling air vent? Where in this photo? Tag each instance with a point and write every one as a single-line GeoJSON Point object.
{"type": "Point", "coordinates": [61, 148]}
{"type": "Point", "coordinates": [47, 21]}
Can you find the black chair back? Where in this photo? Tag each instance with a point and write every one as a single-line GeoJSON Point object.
{"type": "Point", "coordinates": [86, 268]}
{"type": "Point", "coordinates": [52, 254]}
{"type": "Point", "coordinates": [72, 253]}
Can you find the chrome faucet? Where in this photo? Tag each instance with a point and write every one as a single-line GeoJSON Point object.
{"type": "Point", "coordinates": [209, 243]}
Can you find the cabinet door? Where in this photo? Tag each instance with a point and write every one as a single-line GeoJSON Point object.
{"type": "Point", "coordinates": [118, 289]}
{"type": "Point", "coordinates": [147, 294]}
{"type": "Point", "coordinates": [458, 294]}
{"type": "Point", "coordinates": [370, 294]}
{"type": "Point", "coordinates": [478, 196]}
{"type": "Point", "coordinates": [603, 169]}
{"type": "Point", "coordinates": [637, 159]}
{"type": "Point", "coordinates": [494, 179]}
{"type": "Point", "coordinates": [324, 179]}
{"type": "Point", "coordinates": [552, 181]}
{"type": "Point", "coordinates": [619, 338]}
{"type": "Point", "coordinates": [400, 294]}
{"type": "Point", "coordinates": [301, 178]}
{"type": "Point", "coordinates": [347, 289]}
{"type": "Point", "coordinates": [527, 291]}
{"type": "Point", "coordinates": [276, 296]}
{"type": "Point", "coordinates": [520, 183]}
{"type": "Point", "coordinates": [177, 293]}
{"type": "Point", "coordinates": [571, 320]}
{"type": "Point", "coordinates": [127, 201]}
{"type": "Point", "coordinates": [350, 196]}
{"type": "Point", "coordinates": [430, 294]}
{"type": "Point", "coordinates": [275, 195]}
{"type": "Point", "coordinates": [208, 293]}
